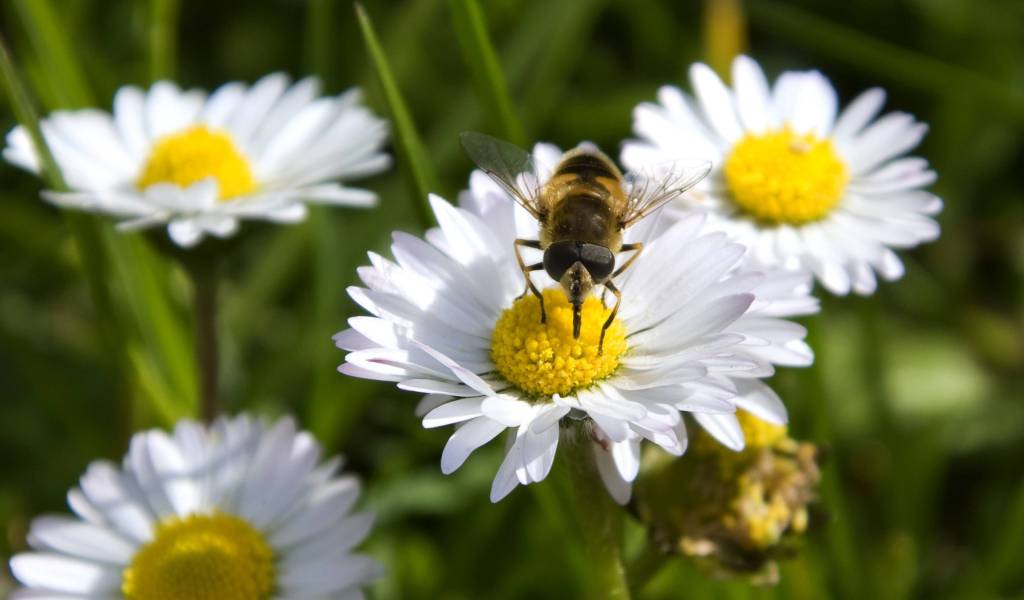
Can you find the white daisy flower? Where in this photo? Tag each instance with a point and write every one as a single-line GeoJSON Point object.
{"type": "Point", "coordinates": [692, 335]}
{"type": "Point", "coordinates": [799, 186]}
{"type": "Point", "coordinates": [240, 510]}
{"type": "Point", "coordinates": [201, 163]}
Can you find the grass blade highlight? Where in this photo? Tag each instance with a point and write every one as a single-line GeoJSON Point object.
{"type": "Point", "coordinates": [410, 146]}
{"type": "Point", "coordinates": [478, 52]}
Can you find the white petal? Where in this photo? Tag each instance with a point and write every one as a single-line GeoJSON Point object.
{"type": "Point", "coordinates": [753, 98]}
{"type": "Point", "coordinates": [507, 410]}
{"type": "Point", "coordinates": [185, 232]}
{"type": "Point", "coordinates": [627, 458]}
{"type": "Point", "coordinates": [724, 428]}
{"type": "Point", "coordinates": [82, 540]}
{"type": "Point", "coordinates": [619, 489]}
{"type": "Point", "coordinates": [455, 411]}
{"type": "Point", "coordinates": [858, 114]}
{"type": "Point", "coordinates": [467, 438]}
{"type": "Point", "coordinates": [63, 574]}
{"type": "Point", "coordinates": [716, 101]}
{"type": "Point", "coordinates": [505, 480]}
{"type": "Point", "coordinates": [760, 400]}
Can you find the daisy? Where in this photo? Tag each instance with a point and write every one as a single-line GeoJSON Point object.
{"type": "Point", "coordinates": [794, 183]}
{"type": "Point", "coordinates": [693, 335]}
{"type": "Point", "coordinates": [201, 163]}
{"type": "Point", "coordinates": [240, 510]}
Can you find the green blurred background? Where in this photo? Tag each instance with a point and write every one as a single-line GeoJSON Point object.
{"type": "Point", "coordinates": [917, 397]}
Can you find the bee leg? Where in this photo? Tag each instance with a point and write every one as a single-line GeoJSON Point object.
{"type": "Point", "coordinates": [608, 285]}
{"type": "Point", "coordinates": [526, 269]}
{"type": "Point", "coordinates": [637, 247]}
{"type": "Point", "coordinates": [532, 288]}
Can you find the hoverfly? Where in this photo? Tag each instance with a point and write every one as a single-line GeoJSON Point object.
{"type": "Point", "coordinates": [582, 209]}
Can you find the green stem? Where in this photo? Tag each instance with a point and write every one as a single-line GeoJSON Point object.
{"type": "Point", "coordinates": [163, 40]}
{"type": "Point", "coordinates": [204, 297]}
{"type": "Point", "coordinates": [322, 37]}
{"type": "Point", "coordinates": [600, 518]}
{"type": "Point", "coordinates": [725, 34]}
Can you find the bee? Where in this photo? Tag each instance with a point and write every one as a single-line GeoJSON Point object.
{"type": "Point", "coordinates": [583, 210]}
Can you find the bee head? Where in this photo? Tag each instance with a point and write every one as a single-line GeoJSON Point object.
{"type": "Point", "coordinates": [597, 260]}
{"type": "Point", "coordinates": [577, 283]}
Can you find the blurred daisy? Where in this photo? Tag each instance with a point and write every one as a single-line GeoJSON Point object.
{"type": "Point", "coordinates": [200, 164]}
{"type": "Point", "coordinates": [241, 510]}
{"type": "Point", "coordinates": [735, 513]}
{"type": "Point", "coordinates": [799, 187]}
{"type": "Point", "coordinates": [692, 335]}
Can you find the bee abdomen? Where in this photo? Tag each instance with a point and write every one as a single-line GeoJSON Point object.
{"type": "Point", "coordinates": [586, 166]}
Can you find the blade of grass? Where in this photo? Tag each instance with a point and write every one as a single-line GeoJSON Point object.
{"type": "Point", "coordinates": [163, 38]}
{"type": "Point", "coordinates": [147, 281]}
{"type": "Point", "coordinates": [50, 41]}
{"type": "Point", "coordinates": [25, 114]}
{"type": "Point", "coordinates": [531, 63]}
{"type": "Point", "coordinates": [906, 67]}
{"type": "Point", "coordinates": [410, 145]}
{"type": "Point", "coordinates": [478, 52]}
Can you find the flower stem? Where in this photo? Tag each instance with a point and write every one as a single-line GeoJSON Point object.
{"type": "Point", "coordinates": [599, 517]}
{"type": "Point", "coordinates": [204, 298]}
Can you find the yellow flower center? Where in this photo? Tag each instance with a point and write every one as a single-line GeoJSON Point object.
{"type": "Point", "coordinates": [544, 358]}
{"type": "Point", "coordinates": [202, 557]}
{"type": "Point", "coordinates": [194, 154]}
{"type": "Point", "coordinates": [785, 177]}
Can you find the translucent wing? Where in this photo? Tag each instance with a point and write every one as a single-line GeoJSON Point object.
{"type": "Point", "coordinates": [649, 188]}
{"type": "Point", "coordinates": [509, 166]}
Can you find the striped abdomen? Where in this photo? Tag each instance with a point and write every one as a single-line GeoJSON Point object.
{"type": "Point", "coordinates": [583, 195]}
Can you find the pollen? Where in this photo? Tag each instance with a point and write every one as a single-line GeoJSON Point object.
{"type": "Point", "coordinates": [202, 557]}
{"type": "Point", "coordinates": [785, 177]}
{"type": "Point", "coordinates": [543, 359]}
{"type": "Point", "coordinates": [194, 154]}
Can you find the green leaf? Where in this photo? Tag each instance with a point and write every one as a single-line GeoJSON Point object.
{"type": "Point", "coordinates": [478, 52]}
{"type": "Point", "coordinates": [410, 145]}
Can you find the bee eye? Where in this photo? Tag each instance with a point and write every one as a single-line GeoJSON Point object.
{"type": "Point", "coordinates": [598, 260]}
{"type": "Point", "coordinates": [559, 257]}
